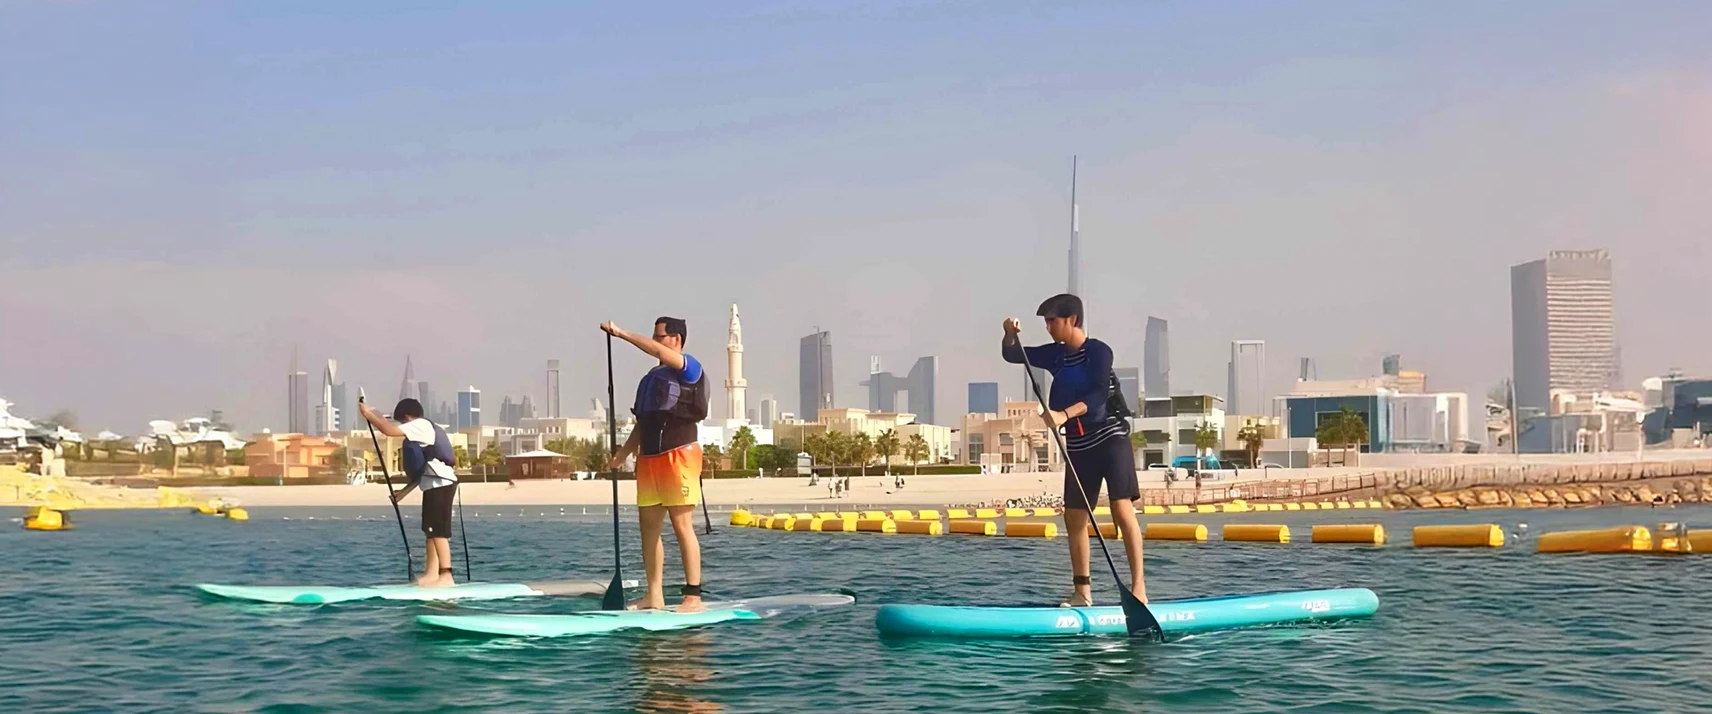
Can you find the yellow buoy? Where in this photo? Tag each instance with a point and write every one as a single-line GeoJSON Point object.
{"type": "Point", "coordinates": [42, 518]}
{"type": "Point", "coordinates": [849, 515]}
{"type": "Point", "coordinates": [877, 525]}
{"type": "Point", "coordinates": [901, 515]}
{"type": "Point", "coordinates": [1102, 510]}
{"type": "Point", "coordinates": [974, 527]}
{"type": "Point", "coordinates": [1292, 506]}
{"type": "Point", "coordinates": [927, 515]}
{"type": "Point", "coordinates": [1610, 540]}
{"type": "Point", "coordinates": [1478, 535]}
{"type": "Point", "coordinates": [1031, 530]}
{"type": "Point", "coordinates": [957, 513]}
{"type": "Point", "coordinates": [1153, 510]}
{"type": "Point", "coordinates": [1252, 533]}
{"type": "Point", "coordinates": [1111, 531]}
{"type": "Point", "coordinates": [872, 515]}
{"type": "Point", "coordinates": [1016, 513]}
{"type": "Point", "coordinates": [826, 515]}
{"type": "Point", "coordinates": [208, 509]}
{"type": "Point", "coordinates": [801, 524]}
{"type": "Point", "coordinates": [741, 517]}
{"type": "Point", "coordinates": [237, 514]}
{"type": "Point", "coordinates": [838, 525]}
{"type": "Point", "coordinates": [1176, 531]}
{"type": "Point", "coordinates": [986, 513]}
{"type": "Point", "coordinates": [1365, 533]}
{"type": "Point", "coordinates": [918, 527]}
{"type": "Point", "coordinates": [784, 524]}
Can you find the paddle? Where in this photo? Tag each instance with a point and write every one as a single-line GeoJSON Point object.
{"type": "Point", "coordinates": [1137, 618]}
{"type": "Point", "coordinates": [464, 537]}
{"type": "Point", "coordinates": [705, 519]}
{"type": "Point", "coordinates": [409, 562]}
{"type": "Point", "coordinates": [614, 597]}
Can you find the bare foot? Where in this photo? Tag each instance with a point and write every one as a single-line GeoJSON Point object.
{"type": "Point", "coordinates": [646, 604]}
{"type": "Point", "coordinates": [426, 580]}
{"type": "Point", "coordinates": [1140, 594]}
{"type": "Point", "coordinates": [691, 603]}
{"type": "Point", "coordinates": [444, 581]}
{"type": "Point", "coordinates": [1079, 598]}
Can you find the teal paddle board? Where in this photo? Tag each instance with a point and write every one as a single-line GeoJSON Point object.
{"type": "Point", "coordinates": [325, 594]}
{"type": "Point", "coordinates": [603, 621]}
{"type": "Point", "coordinates": [581, 623]}
{"type": "Point", "coordinates": [1176, 617]}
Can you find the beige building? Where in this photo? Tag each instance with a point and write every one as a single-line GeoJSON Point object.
{"type": "Point", "coordinates": [564, 428]}
{"type": "Point", "coordinates": [1016, 439]}
{"type": "Point", "coordinates": [289, 455]}
{"type": "Point", "coordinates": [790, 435]}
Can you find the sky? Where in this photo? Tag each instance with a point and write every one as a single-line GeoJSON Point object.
{"type": "Point", "coordinates": [189, 190]}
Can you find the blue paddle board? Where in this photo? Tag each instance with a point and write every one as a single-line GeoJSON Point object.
{"type": "Point", "coordinates": [325, 594]}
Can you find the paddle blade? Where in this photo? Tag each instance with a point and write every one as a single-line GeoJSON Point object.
{"type": "Point", "coordinates": [1140, 620]}
{"type": "Point", "coordinates": [614, 597]}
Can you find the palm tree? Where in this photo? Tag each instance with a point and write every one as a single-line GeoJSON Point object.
{"type": "Point", "coordinates": [839, 447]}
{"type": "Point", "coordinates": [815, 446]}
{"type": "Point", "coordinates": [741, 443]}
{"type": "Point", "coordinates": [1252, 439]}
{"type": "Point", "coordinates": [713, 454]}
{"type": "Point", "coordinates": [1206, 437]}
{"type": "Point", "coordinates": [887, 446]}
{"type": "Point", "coordinates": [1138, 444]}
{"type": "Point", "coordinates": [915, 450]}
{"type": "Point", "coordinates": [862, 449]}
{"type": "Point", "coordinates": [1352, 430]}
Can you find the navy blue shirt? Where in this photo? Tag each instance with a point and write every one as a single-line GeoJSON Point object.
{"type": "Point", "coordinates": [1083, 375]}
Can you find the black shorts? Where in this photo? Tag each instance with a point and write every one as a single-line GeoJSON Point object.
{"type": "Point", "coordinates": [437, 511]}
{"type": "Point", "coordinates": [1110, 462]}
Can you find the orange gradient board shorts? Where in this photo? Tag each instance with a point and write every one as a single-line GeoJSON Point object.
{"type": "Point", "coordinates": [669, 479]}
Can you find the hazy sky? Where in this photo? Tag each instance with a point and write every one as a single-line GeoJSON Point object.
{"type": "Point", "coordinates": [187, 189]}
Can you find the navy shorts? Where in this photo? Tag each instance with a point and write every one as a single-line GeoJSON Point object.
{"type": "Point", "coordinates": [1109, 462]}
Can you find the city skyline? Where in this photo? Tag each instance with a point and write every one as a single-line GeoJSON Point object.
{"type": "Point", "coordinates": [1298, 171]}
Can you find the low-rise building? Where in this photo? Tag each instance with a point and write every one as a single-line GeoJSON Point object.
{"type": "Point", "coordinates": [289, 455]}
{"type": "Point", "coordinates": [1169, 424]}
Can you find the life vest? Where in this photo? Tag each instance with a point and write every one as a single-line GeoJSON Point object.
{"type": "Point", "coordinates": [416, 456]}
{"type": "Point", "coordinates": [669, 394]}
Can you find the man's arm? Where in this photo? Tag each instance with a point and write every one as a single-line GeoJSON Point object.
{"type": "Point", "coordinates": [666, 355]}
{"type": "Point", "coordinates": [380, 423]}
{"type": "Point", "coordinates": [631, 445]}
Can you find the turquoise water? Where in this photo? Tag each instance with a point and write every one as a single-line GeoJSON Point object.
{"type": "Point", "coordinates": [103, 619]}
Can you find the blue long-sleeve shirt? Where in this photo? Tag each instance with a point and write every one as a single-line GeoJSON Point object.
{"type": "Point", "coordinates": [1083, 375]}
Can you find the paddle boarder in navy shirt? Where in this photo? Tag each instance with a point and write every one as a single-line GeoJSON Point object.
{"type": "Point", "coordinates": [1096, 437]}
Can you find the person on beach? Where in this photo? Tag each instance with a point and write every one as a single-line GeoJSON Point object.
{"type": "Point", "coordinates": [670, 401]}
{"type": "Point", "coordinates": [428, 460]}
{"type": "Point", "coordinates": [1095, 434]}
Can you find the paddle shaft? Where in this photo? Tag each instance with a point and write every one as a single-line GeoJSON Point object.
{"type": "Point", "coordinates": [464, 537]}
{"type": "Point", "coordinates": [1140, 619]}
{"type": "Point", "coordinates": [614, 598]}
{"type": "Point", "coordinates": [392, 497]}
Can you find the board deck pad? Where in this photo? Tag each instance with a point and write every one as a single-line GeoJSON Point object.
{"type": "Point", "coordinates": [1176, 618]}
{"type": "Point", "coordinates": [327, 594]}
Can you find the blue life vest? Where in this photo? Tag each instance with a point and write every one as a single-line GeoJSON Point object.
{"type": "Point", "coordinates": [416, 456]}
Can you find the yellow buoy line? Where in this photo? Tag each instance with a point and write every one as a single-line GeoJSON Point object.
{"type": "Point", "coordinates": [1625, 539]}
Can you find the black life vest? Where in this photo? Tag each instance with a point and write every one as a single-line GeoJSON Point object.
{"type": "Point", "coordinates": [416, 456]}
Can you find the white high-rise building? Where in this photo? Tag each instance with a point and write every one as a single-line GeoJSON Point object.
{"type": "Point", "coordinates": [327, 412]}
{"type": "Point", "coordinates": [552, 389]}
{"type": "Point", "coordinates": [736, 386]}
{"type": "Point", "coordinates": [1564, 327]}
{"type": "Point", "coordinates": [1247, 391]}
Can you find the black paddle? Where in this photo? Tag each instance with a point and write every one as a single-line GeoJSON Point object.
{"type": "Point", "coordinates": [392, 497]}
{"type": "Point", "coordinates": [1137, 618]}
{"type": "Point", "coordinates": [614, 597]}
{"type": "Point", "coordinates": [464, 537]}
{"type": "Point", "coordinates": [705, 519]}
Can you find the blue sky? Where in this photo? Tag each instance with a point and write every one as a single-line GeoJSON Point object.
{"type": "Point", "coordinates": [189, 189]}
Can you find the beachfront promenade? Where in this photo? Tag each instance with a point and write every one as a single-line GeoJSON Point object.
{"type": "Point", "coordinates": [1380, 475]}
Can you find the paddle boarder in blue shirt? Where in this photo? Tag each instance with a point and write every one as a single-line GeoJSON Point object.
{"type": "Point", "coordinates": [428, 461]}
{"type": "Point", "coordinates": [1085, 406]}
{"type": "Point", "coordinates": [670, 401]}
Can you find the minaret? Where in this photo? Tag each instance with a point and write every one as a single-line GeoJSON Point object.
{"type": "Point", "coordinates": [735, 384]}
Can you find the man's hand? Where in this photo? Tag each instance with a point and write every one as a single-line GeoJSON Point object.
{"type": "Point", "coordinates": [1055, 418]}
{"type": "Point", "coordinates": [612, 328]}
{"type": "Point", "coordinates": [1012, 326]}
{"type": "Point", "coordinates": [617, 460]}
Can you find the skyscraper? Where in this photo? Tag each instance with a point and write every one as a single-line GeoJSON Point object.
{"type": "Point", "coordinates": [507, 412]}
{"type": "Point", "coordinates": [525, 409]}
{"type": "Point", "coordinates": [769, 411]}
{"type": "Point", "coordinates": [1247, 390]}
{"type": "Point", "coordinates": [983, 397]}
{"type": "Point", "coordinates": [1129, 382]}
{"type": "Point", "coordinates": [297, 398]}
{"type": "Point", "coordinates": [407, 387]}
{"type": "Point", "coordinates": [346, 406]}
{"type": "Point", "coordinates": [327, 411]}
{"type": "Point", "coordinates": [1075, 236]}
{"type": "Point", "coordinates": [736, 387]}
{"type": "Point", "coordinates": [552, 389]}
{"type": "Point", "coordinates": [814, 370]}
{"type": "Point", "coordinates": [883, 388]}
{"type": "Point", "coordinates": [1563, 327]}
{"type": "Point", "coordinates": [469, 408]}
{"type": "Point", "coordinates": [1156, 359]}
{"type": "Point", "coordinates": [423, 395]}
